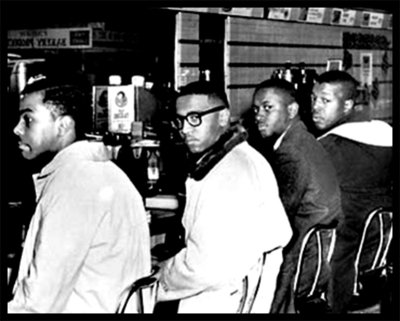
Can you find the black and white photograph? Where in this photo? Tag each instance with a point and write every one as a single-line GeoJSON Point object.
{"type": "Point", "coordinates": [199, 161]}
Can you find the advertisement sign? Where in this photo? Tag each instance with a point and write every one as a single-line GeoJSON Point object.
{"type": "Point", "coordinates": [302, 14]}
{"type": "Point", "coordinates": [336, 16]}
{"type": "Point", "coordinates": [190, 9]}
{"type": "Point", "coordinates": [279, 13]}
{"type": "Point", "coordinates": [65, 38]}
{"type": "Point", "coordinates": [121, 111]}
{"type": "Point", "coordinates": [372, 19]}
{"type": "Point", "coordinates": [315, 15]}
{"type": "Point", "coordinates": [246, 12]}
{"type": "Point", "coordinates": [366, 68]}
{"type": "Point", "coordinates": [348, 17]}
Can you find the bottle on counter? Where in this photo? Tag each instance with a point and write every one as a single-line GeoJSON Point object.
{"type": "Point", "coordinates": [114, 80]}
{"type": "Point", "coordinates": [153, 170]}
{"type": "Point", "coordinates": [205, 75]}
{"type": "Point", "coordinates": [303, 76]}
{"type": "Point", "coordinates": [287, 74]}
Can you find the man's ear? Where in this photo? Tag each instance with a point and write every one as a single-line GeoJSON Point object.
{"type": "Point", "coordinates": [224, 117]}
{"type": "Point", "coordinates": [348, 106]}
{"type": "Point", "coordinates": [65, 124]}
{"type": "Point", "coordinates": [293, 110]}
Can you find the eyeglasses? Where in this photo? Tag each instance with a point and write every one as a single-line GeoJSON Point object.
{"type": "Point", "coordinates": [194, 117]}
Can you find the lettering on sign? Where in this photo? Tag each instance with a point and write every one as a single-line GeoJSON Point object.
{"type": "Point", "coordinates": [50, 38]}
{"type": "Point", "coordinates": [51, 42]}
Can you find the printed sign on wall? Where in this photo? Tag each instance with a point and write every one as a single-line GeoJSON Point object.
{"type": "Point", "coordinates": [65, 38]}
{"type": "Point", "coordinates": [315, 15]}
{"type": "Point", "coordinates": [372, 19]}
{"type": "Point", "coordinates": [336, 16]}
{"type": "Point", "coordinates": [279, 13]}
{"type": "Point", "coordinates": [348, 17]}
{"type": "Point", "coordinates": [246, 12]}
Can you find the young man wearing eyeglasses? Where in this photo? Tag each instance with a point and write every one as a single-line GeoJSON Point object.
{"type": "Point", "coordinates": [232, 215]}
{"type": "Point", "coordinates": [307, 183]}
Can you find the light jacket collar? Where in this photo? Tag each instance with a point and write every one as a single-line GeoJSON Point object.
{"type": "Point", "coordinates": [374, 132]}
{"type": "Point", "coordinates": [84, 150]}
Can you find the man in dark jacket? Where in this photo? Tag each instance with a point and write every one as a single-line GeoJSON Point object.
{"type": "Point", "coordinates": [361, 151]}
{"type": "Point", "coordinates": [306, 178]}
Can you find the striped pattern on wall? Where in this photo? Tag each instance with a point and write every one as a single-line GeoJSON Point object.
{"type": "Point", "coordinates": [254, 48]}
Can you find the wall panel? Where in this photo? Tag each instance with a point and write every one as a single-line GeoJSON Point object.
{"type": "Point", "coordinates": [256, 47]}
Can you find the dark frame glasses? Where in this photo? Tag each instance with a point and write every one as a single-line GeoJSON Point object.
{"type": "Point", "coordinates": [194, 117]}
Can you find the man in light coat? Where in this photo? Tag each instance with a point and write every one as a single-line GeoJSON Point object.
{"type": "Point", "coordinates": [88, 239]}
{"type": "Point", "coordinates": [232, 215]}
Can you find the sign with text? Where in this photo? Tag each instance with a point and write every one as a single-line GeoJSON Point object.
{"type": "Point", "coordinates": [315, 15]}
{"type": "Point", "coordinates": [348, 17]}
{"type": "Point", "coordinates": [279, 13]}
{"type": "Point", "coordinates": [372, 19]}
{"type": "Point", "coordinates": [121, 109]}
{"type": "Point", "coordinates": [336, 16]}
{"type": "Point", "coordinates": [60, 38]}
{"type": "Point", "coordinates": [246, 12]}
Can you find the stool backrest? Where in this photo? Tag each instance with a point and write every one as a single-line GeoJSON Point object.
{"type": "Point", "coordinates": [384, 220]}
{"type": "Point", "coordinates": [325, 236]}
{"type": "Point", "coordinates": [259, 283]}
{"type": "Point", "coordinates": [140, 297]}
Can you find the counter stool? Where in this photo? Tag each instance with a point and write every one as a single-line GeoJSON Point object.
{"type": "Point", "coordinates": [371, 278]}
{"type": "Point", "coordinates": [141, 296]}
{"type": "Point", "coordinates": [314, 302]}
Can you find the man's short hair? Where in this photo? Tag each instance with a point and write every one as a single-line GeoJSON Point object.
{"type": "Point", "coordinates": [281, 85]}
{"type": "Point", "coordinates": [347, 82]}
{"type": "Point", "coordinates": [211, 89]}
{"type": "Point", "coordinates": [63, 98]}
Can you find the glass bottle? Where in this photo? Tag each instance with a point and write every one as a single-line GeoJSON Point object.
{"type": "Point", "coordinates": [287, 74]}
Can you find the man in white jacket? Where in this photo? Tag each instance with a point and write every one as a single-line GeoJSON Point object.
{"type": "Point", "coordinates": [232, 215]}
{"type": "Point", "coordinates": [89, 238]}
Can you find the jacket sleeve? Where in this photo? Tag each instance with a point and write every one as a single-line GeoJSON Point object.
{"type": "Point", "coordinates": [65, 228]}
{"type": "Point", "coordinates": [292, 175]}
